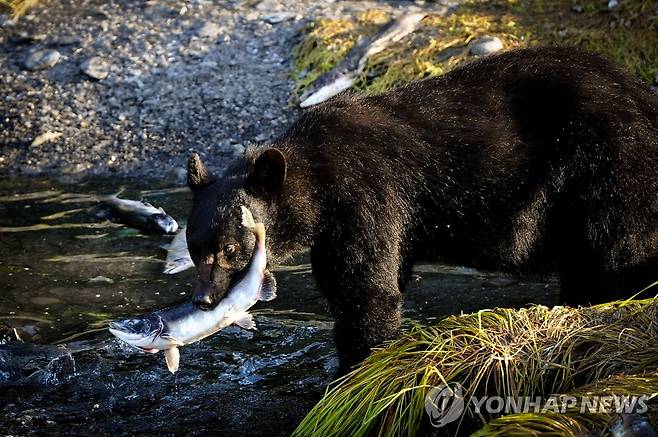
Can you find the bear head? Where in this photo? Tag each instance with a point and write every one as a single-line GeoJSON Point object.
{"type": "Point", "coordinates": [218, 243]}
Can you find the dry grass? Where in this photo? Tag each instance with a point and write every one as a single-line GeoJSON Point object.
{"type": "Point", "coordinates": [16, 7]}
{"type": "Point", "coordinates": [529, 352]}
{"type": "Point", "coordinates": [626, 34]}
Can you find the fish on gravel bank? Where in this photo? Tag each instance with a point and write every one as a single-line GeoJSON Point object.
{"type": "Point", "coordinates": [345, 73]}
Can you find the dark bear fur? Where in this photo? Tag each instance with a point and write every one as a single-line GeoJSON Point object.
{"type": "Point", "coordinates": [533, 160]}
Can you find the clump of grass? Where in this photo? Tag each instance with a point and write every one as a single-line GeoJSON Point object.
{"type": "Point", "coordinates": [16, 7]}
{"type": "Point", "coordinates": [627, 35]}
{"type": "Point", "coordinates": [572, 421]}
{"type": "Point", "coordinates": [528, 352]}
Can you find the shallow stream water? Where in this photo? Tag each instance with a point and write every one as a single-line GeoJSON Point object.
{"type": "Point", "coordinates": [64, 274]}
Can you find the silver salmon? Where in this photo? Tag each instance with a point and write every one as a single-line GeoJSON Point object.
{"type": "Point", "coordinates": [345, 73]}
{"type": "Point", "coordinates": [178, 257]}
{"type": "Point", "coordinates": [137, 214]}
{"type": "Point", "coordinates": [167, 329]}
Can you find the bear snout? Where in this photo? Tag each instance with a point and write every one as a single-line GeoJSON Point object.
{"type": "Point", "coordinates": [206, 295]}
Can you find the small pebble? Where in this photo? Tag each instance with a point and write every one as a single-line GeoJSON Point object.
{"type": "Point", "coordinates": [5, 20]}
{"type": "Point", "coordinates": [42, 59]}
{"type": "Point", "coordinates": [96, 68]}
{"type": "Point", "coordinates": [278, 17]}
{"type": "Point", "coordinates": [485, 45]}
{"type": "Point", "coordinates": [45, 138]}
{"type": "Point", "coordinates": [67, 40]}
{"type": "Point", "coordinates": [209, 30]}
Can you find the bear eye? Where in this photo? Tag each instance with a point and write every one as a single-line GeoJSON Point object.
{"type": "Point", "coordinates": [229, 249]}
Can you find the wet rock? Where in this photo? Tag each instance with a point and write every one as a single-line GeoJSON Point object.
{"type": "Point", "coordinates": [30, 330]}
{"type": "Point", "coordinates": [23, 37]}
{"type": "Point", "coordinates": [448, 53]}
{"type": "Point", "coordinates": [44, 300]}
{"type": "Point", "coordinates": [96, 68]}
{"type": "Point", "coordinates": [6, 21]}
{"type": "Point", "coordinates": [30, 170]}
{"type": "Point", "coordinates": [628, 425]}
{"type": "Point", "coordinates": [101, 280]}
{"type": "Point", "coordinates": [613, 4]}
{"type": "Point", "coordinates": [500, 282]}
{"type": "Point", "coordinates": [278, 17]}
{"type": "Point", "coordinates": [209, 30]}
{"type": "Point", "coordinates": [485, 45]}
{"type": "Point", "coordinates": [42, 59]}
{"type": "Point", "coordinates": [66, 40]}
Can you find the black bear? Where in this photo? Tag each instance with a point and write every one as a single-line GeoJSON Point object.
{"type": "Point", "coordinates": [532, 160]}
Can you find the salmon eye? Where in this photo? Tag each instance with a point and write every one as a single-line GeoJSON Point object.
{"type": "Point", "coordinates": [229, 249]}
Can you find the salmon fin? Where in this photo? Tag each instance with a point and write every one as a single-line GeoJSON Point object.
{"type": "Point", "coordinates": [245, 321]}
{"type": "Point", "coordinates": [248, 222]}
{"type": "Point", "coordinates": [172, 357]}
{"type": "Point", "coordinates": [174, 340]}
{"type": "Point", "coordinates": [247, 219]}
{"type": "Point", "coordinates": [268, 287]}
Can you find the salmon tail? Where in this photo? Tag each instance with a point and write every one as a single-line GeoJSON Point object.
{"type": "Point", "coordinates": [248, 222]}
{"type": "Point", "coordinates": [268, 288]}
{"type": "Point", "coordinates": [109, 197]}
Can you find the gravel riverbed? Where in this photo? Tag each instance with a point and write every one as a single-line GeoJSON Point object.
{"type": "Point", "coordinates": [97, 87]}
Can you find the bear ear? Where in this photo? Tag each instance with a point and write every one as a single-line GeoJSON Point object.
{"type": "Point", "coordinates": [269, 173]}
{"type": "Point", "coordinates": [197, 173]}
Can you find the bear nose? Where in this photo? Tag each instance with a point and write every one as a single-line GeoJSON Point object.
{"type": "Point", "coordinates": [203, 300]}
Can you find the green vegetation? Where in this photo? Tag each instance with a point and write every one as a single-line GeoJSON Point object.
{"type": "Point", "coordinates": [627, 34]}
{"type": "Point", "coordinates": [16, 7]}
{"type": "Point", "coordinates": [535, 351]}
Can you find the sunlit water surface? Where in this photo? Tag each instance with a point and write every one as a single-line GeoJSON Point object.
{"type": "Point", "coordinates": [64, 274]}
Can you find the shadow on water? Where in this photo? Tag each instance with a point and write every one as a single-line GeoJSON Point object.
{"type": "Point", "coordinates": [62, 372]}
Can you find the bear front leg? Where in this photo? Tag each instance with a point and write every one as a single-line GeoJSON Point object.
{"type": "Point", "coordinates": [360, 281]}
{"type": "Point", "coordinates": [364, 323]}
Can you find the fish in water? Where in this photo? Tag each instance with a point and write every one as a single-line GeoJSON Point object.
{"type": "Point", "coordinates": [344, 74]}
{"type": "Point", "coordinates": [137, 214]}
{"type": "Point", "coordinates": [178, 257]}
{"type": "Point", "coordinates": [170, 328]}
